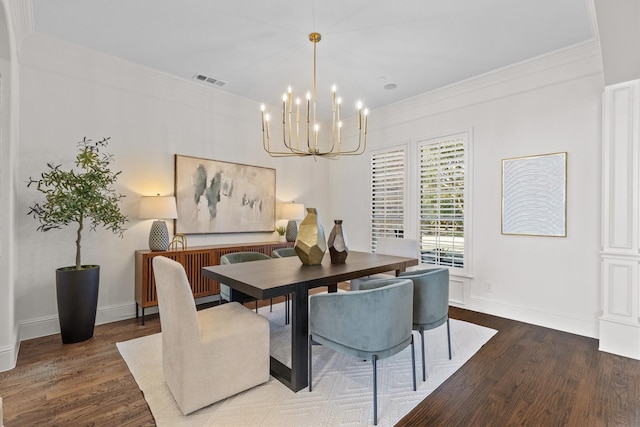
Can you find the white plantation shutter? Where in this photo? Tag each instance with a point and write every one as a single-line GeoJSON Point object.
{"type": "Point", "coordinates": [388, 185]}
{"type": "Point", "coordinates": [442, 198]}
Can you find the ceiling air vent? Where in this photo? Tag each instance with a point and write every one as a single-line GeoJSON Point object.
{"type": "Point", "coordinates": [210, 80]}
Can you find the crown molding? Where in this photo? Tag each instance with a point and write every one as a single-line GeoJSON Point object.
{"type": "Point", "coordinates": [567, 64]}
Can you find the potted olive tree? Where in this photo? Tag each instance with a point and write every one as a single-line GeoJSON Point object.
{"type": "Point", "coordinates": [82, 197]}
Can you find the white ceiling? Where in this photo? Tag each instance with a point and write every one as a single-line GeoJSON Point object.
{"type": "Point", "coordinates": [258, 47]}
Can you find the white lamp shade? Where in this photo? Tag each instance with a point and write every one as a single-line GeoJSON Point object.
{"type": "Point", "coordinates": [158, 207]}
{"type": "Point", "coordinates": [292, 211]}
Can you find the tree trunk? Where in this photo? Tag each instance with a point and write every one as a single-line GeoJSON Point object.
{"type": "Point", "coordinates": [78, 238]}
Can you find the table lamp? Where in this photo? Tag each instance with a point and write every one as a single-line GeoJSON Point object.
{"type": "Point", "coordinates": [158, 208]}
{"type": "Point", "coordinates": [293, 212]}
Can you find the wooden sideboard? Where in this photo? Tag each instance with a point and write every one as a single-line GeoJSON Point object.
{"type": "Point", "coordinates": [193, 259]}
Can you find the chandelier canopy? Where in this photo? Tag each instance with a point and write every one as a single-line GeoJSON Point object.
{"type": "Point", "coordinates": [291, 126]}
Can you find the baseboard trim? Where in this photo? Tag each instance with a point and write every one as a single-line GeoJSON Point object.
{"type": "Point", "coordinates": [535, 317]}
{"type": "Point", "coordinates": [9, 355]}
{"type": "Point", "coordinates": [48, 325]}
{"type": "Point", "coordinates": [115, 313]}
{"type": "Point", "coordinates": [620, 338]}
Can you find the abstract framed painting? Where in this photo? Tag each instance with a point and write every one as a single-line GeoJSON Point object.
{"type": "Point", "coordinates": [534, 193]}
{"type": "Point", "coordinates": [213, 196]}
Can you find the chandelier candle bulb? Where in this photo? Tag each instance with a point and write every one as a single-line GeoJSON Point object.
{"type": "Point", "coordinates": [366, 113]}
{"type": "Point", "coordinates": [268, 132]}
{"type": "Point", "coordinates": [316, 128]}
{"type": "Point", "coordinates": [308, 111]}
{"type": "Point", "coordinates": [333, 97]}
{"type": "Point", "coordinates": [297, 123]}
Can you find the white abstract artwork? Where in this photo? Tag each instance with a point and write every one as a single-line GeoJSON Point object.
{"type": "Point", "coordinates": [534, 195]}
{"type": "Point", "coordinates": [221, 197]}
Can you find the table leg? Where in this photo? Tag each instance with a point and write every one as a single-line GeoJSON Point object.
{"type": "Point", "coordinates": [332, 288]}
{"type": "Point", "coordinates": [400, 270]}
{"type": "Point", "coordinates": [297, 377]}
{"type": "Point", "coordinates": [300, 338]}
{"type": "Point", "coordinates": [237, 296]}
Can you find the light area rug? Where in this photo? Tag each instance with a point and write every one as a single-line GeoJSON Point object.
{"type": "Point", "coordinates": [342, 385]}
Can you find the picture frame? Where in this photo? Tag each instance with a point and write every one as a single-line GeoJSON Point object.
{"type": "Point", "coordinates": [534, 190]}
{"type": "Point", "coordinates": [214, 196]}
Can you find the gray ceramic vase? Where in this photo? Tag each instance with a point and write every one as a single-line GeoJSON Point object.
{"type": "Point", "coordinates": [337, 245]}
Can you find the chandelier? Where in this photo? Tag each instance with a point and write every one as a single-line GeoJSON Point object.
{"type": "Point", "coordinates": [292, 127]}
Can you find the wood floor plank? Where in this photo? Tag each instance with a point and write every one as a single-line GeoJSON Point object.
{"type": "Point", "coordinates": [525, 375]}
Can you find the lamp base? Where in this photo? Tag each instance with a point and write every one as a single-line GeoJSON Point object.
{"type": "Point", "coordinates": [292, 231]}
{"type": "Point", "coordinates": [159, 236]}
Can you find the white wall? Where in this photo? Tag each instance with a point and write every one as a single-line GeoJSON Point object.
{"type": "Point", "coordinates": [67, 93]}
{"type": "Point", "coordinates": [547, 105]}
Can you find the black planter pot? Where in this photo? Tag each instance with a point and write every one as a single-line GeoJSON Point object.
{"type": "Point", "coordinates": [77, 292]}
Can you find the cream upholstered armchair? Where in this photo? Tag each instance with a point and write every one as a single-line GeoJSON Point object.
{"type": "Point", "coordinates": [211, 354]}
{"type": "Point", "coordinates": [368, 324]}
{"type": "Point", "coordinates": [389, 246]}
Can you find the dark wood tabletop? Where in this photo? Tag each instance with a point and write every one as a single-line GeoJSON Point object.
{"type": "Point", "coordinates": [279, 276]}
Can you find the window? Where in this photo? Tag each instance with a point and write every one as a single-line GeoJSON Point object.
{"type": "Point", "coordinates": [387, 194]}
{"type": "Point", "coordinates": [442, 200]}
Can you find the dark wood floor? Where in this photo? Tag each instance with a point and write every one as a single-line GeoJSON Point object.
{"type": "Point", "coordinates": [525, 375]}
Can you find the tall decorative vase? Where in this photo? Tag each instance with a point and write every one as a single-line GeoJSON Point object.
{"type": "Point", "coordinates": [337, 246]}
{"type": "Point", "coordinates": [310, 245]}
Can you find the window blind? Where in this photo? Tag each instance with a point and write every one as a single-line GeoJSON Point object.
{"type": "Point", "coordinates": [442, 180]}
{"type": "Point", "coordinates": [387, 194]}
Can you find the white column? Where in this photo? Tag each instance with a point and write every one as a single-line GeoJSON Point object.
{"type": "Point", "coordinates": [620, 322]}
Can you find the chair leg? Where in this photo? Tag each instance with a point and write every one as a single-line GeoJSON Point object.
{"type": "Point", "coordinates": [256, 306]}
{"type": "Point", "coordinates": [375, 391]}
{"type": "Point", "coordinates": [271, 305]}
{"type": "Point", "coordinates": [413, 364]}
{"type": "Point", "coordinates": [286, 309]}
{"type": "Point", "coordinates": [424, 369]}
{"type": "Point", "coordinates": [310, 364]}
{"type": "Point", "coordinates": [449, 337]}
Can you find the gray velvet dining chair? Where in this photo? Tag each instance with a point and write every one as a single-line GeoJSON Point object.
{"type": "Point", "coordinates": [430, 303]}
{"type": "Point", "coordinates": [207, 355]}
{"type": "Point", "coordinates": [389, 246]}
{"type": "Point", "coordinates": [234, 258]}
{"type": "Point", "coordinates": [368, 324]}
{"type": "Point", "coordinates": [284, 253]}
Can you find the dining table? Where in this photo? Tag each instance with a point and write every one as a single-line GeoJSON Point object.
{"type": "Point", "coordinates": [276, 277]}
